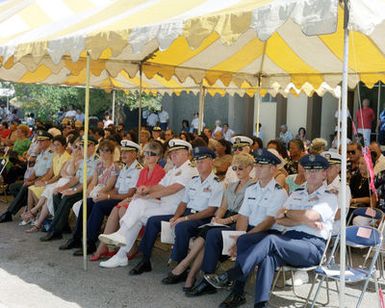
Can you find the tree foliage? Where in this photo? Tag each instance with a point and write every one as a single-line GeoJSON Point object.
{"type": "Point", "coordinates": [45, 101]}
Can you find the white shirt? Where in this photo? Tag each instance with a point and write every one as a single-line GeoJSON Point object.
{"type": "Point", "coordinates": [152, 119]}
{"type": "Point", "coordinates": [70, 114]}
{"type": "Point", "coordinates": [80, 117]}
{"type": "Point", "coordinates": [128, 177]}
{"type": "Point", "coordinates": [261, 202]}
{"type": "Point", "coordinates": [163, 116]}
{"type": "Point", "coordinates": [181, 175]}
{"type": "Point", "coordinates": [228, 134]}
{"type": "Point", "coordinates": [107, 122]}
{"type": "Point", "coordinates": [335, 187]}
{"type": "Point", "coordinates": [195, 123]}
{"type": "Point", "coordinates": [380, 165]}
{"type": "Point", "coordinates": [322, 201]}
{"type": "Point", "coordinates": [200, 195]}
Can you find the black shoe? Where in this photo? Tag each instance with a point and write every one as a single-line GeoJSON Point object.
{"type": "Point", "coordinates": [70, 244]}
{"type": "Point", "coordinates": [90, 250]}
{"type": "Point", "coordinates": [173, 279]}
{"type": "Point", "coordinates": [51, 236]}
{"type": "Point", "coordinates": [201, 289]}
{"type": "Point", "coordinates": [219, 281]}
{"type": "Point", "coordinates": [260, 305]}
{"type": "Point", "coordinates": [187, 289]}
{"type": "Point", "coordinates": [233, 300]}
{"type": "Point", "coordinates": [6, 217]}
{"type": "Point", "coordinates": [141, 267]}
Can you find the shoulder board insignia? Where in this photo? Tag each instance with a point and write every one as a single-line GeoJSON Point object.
{"type": "Point", "coordinates": [332, 191]}
{"type": "Point", "coordinates": [139, 166]}
{"type": "Point", "coordinates": [217, 179]}
{"type": "Point", "coordinates": [195, 176]}
{"type": "Point", "coordinates": [299, 189]}
{"type": "Point", "coordinates": [277, 186]}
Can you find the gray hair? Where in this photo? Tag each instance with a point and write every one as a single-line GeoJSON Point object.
{"type": "Point", "coordinates": [154, 146]}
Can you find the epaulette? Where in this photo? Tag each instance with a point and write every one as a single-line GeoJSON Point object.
{"type": "Point", "coordinates": [332, 191]}
{"type": "Point", "coordinates": [195, 176]}
{"type": "Point", "coordinates": [300, 189]}
{"type": "Point", "coordinates": [138, 166]}
{"type": "Point", "coordinates": [217, 179]}
{"type": "Point", "coordinates": [277, 186]}
{"type": "Point", "coordinates": [253, 182]}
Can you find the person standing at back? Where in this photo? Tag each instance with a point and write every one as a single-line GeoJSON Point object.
{"type": "Point", "coordinates": [364, 118]}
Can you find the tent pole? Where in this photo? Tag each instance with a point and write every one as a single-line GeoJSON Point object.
{"type": "Point", "coordinates": [344, 100]}
{"type": "Point", "coordinates": [113, 106]}
{"type": "Point", "coordinates": [378, 108]}
{"type": "Point", "coordinates": [258, 106]}
{"type": "Point", "coordinates": [202, 94]}
{"type": "Point", "coordinates": [140, 100]}
{"type": "Point", "coordinates": [339, 124]}
{"type": "Point", "coordinates": [85, 149]}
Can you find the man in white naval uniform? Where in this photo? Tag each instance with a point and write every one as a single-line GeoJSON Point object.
{"type": "Point", "coordinates": [161, 199]}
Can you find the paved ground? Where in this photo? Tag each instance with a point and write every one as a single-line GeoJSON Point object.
{"type": "Point", "coordinates": [37, 274]}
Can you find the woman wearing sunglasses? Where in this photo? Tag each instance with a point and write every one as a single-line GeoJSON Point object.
{"type": "Point", "coordinates": [150, 175]}
{"type": "Point", "coordinates": [226, 214]}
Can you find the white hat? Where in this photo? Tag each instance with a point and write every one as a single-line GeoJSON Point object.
{"type": "Point", "coordinates": [241, 141]}
{"type": "Point", "coordinates": [332, 157]}
{"type": "Point", "coordinates": [128, 145]}
{"type": "Point", "coordinates": [275, 152]}
{"type": "Point", "coordinates": [176, 144]}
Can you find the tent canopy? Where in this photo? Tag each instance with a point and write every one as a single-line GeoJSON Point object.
{"type": "Point", "coordinates": [234, 45]}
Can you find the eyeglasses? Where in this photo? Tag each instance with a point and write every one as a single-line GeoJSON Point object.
{"type": "Point", "coordinates": [351, 152]}
{"type": "Point", "coordinates": [150, 153]}
{"type": "Point", "coordinates": [235, 168]}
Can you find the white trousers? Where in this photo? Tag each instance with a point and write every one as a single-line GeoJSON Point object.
{"type": "Point", "coordinates": [136, 216]}
{"type": "Point", "coordinates": [366, 133]}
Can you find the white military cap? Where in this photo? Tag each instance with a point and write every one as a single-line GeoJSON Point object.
{"type": "Point", "coordinates": [241, 141]}
{"type": "Point", "coordinates": [128, 145]}
{"type": "Point", "coordinates": [332, 157]}
{"type": "Point", "coordinates": [176, 144]}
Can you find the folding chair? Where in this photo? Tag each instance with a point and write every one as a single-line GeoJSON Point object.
{"type": "Point", "coordinates": [376, 217]}
{"type": "Point", "coordinates": [3, 187]}
{"type": "Point", "coordinates": [292, 269]}
{"type": "Point", "coordinates": [368, 237]}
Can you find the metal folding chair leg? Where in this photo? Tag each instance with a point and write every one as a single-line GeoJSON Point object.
{"type": "Point", "coordinates": [311, 291]}
{"type": "Point", "coordinates": [317, 292]}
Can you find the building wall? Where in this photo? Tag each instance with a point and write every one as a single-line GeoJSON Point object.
{"type": "Point", "coordinates": [268, 114]}
{"type": "Point", "coordinates": [296, 112]}
{"type": "Point", "coordinates": [328, 121]}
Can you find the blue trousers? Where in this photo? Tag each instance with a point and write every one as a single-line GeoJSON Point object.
{"type": "Point", "coordinates": [183, 232]}
{"type": "Point", "coordinates": [213, 249]}
{"type": "Point", "coordinates": [95, 215]}
{"type": "Point", "coordinates": [270, 250]}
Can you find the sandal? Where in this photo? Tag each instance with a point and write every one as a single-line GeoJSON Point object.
{"type": "Point", "coordinates": [33, 229]}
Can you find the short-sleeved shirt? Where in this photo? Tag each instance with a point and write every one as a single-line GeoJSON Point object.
{"type": "Point", "coordinates": [365, 117]}
{"type": "Point", "coordinates": [21, 146]}
{"type": "Point", "coordinates": [91, 165]}
{"type": "Point", "coordinates": [157, 174]}
{"type": "Point", "coordinates": [104, 174]}
{"type": "Point", "coordinates": [59, 161]}
{"type": "Point", "coordinates": [322, 201]}
{"type": "Point", "coordinates": [181, 175]}
{"type": "Point", "coordinates": [128, 177]}
{"type": "Point", "coordinates": [235, 198]}
{"type": "Point", "coordinates": [43, 163]}
{"type": "Point", "coordinates": [201, 195]}
{"type": "Point", "coordinates": [261, 202]}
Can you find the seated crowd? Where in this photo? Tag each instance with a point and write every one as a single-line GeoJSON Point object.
{"type": "Point", "coordinates": [285, 200]}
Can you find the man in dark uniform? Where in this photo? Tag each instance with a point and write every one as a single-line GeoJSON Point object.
{"type": "Point", "coordinates": [306, 220]}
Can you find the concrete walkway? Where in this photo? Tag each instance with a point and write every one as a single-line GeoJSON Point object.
{"type": "Point", "coordinates": [37, 274]}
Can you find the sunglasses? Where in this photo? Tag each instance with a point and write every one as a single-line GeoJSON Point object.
{"type": "Point", "coordinates": [351, 152]}
{"type": "Point", "coordinates": [150, 153]}
{"type": "Point", "coordinates": [235, 168]}
{"type": "Point", "coordinates": [105, 150]}
{"type": "Point", "coordinates": [238, 148]}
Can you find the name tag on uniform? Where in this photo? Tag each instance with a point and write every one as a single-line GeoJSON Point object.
{"type": "Point", "coordinates": [315, 198]}
{"type": "Point", "coordinates": [250, 198]}
{"type": "Point", "coordinates": [192, 189]}
{"type": "Point", "coordinates": [207, 189]}
{"type": "Point", "coordinates": [178, 173]}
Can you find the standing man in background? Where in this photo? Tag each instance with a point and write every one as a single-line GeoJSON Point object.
{"type": "Point", "coordinates": [163, 119]}
{"type": "Point", "coordinates": [364, 118]}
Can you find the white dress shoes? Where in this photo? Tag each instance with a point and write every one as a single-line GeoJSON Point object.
{"type": "Point", "coordinates": [114, 239]}
{"type": "Point", "coordinates": [114, 261]}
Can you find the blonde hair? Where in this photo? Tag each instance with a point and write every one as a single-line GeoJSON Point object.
{"type": "Point", "coordinates": [318, 145]}
{"type": "Point", "coordinates": [243, 159]}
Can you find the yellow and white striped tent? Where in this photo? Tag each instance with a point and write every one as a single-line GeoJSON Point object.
{"type": "Point", "coordinates": [232, 45]}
